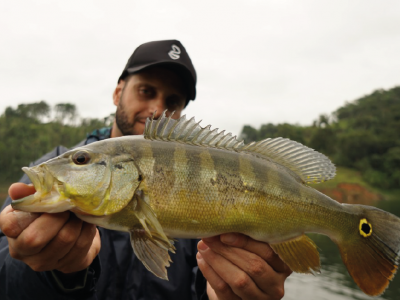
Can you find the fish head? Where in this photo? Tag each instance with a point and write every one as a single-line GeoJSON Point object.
{"type": "Point", "coordinates": [82, 180]}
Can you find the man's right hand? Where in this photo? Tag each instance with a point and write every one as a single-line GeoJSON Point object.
{"type": "Point", "coordinates": [48, 242]}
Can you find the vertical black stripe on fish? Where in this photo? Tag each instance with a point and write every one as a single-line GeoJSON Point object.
{"type": "Point", "coordinates": [247, 173]}
{"type": "Point", "coordinates": [280, 190]}
{"type": "Point", "coordinates": [208, 174]}
{"type": "Point", "coordinates": [163, 175]}
{"type": "Point", "coordinates": [290, 189]}
{"type": "Point", "coordinates": [194, 168]}
{"type": "Point", "coordinates": [180, 168]}
{"type": "Point", "coordinates": [263, 176]}
{"type": "Point", "coordinates": [184, 191]}
{"type": "Point", "coordinates": [257, 176]}
{"type": "Point", "coordinates": [228, 179]}
{"type": "Point", "coordinates": [143, 157]}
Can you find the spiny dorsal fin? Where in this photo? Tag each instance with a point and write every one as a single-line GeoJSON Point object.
{"type": "Point", "coordinates": [311, 166]}
{"type": "Point", "coordinates": [189, 132]}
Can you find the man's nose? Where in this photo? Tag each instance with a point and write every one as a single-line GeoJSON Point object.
{"type": "Point", "coordinates": [157, 106]}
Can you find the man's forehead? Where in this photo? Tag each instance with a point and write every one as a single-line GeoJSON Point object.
{"type": "Point", "coordinates": [159, 76]}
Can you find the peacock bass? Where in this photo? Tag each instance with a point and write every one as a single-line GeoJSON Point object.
{"type": "Point", "coordinates": [181, 180]}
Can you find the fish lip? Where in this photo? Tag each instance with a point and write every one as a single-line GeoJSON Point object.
{"type": "Point", "coordinates": [33, 176]}
{"type": "Point", "coordinates": [40, 177]}
{"type": "Point", "coordinates": [16, 203]}
{"type": "Point", "coordinates": [47, 197]}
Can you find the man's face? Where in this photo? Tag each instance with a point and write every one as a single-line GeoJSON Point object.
{"type": "Point", "coordinates": [137, 98]}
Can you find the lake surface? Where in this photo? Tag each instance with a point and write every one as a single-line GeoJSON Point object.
{"type": "Point", "coordinates": [334, 283]}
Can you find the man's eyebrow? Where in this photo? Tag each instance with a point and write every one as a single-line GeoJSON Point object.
{"type": "Point", "coordinates": [179, 95]}
{"type": "Point", "coordinates": [144, 84]}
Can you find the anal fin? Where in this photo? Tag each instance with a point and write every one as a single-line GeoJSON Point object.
{"type": "Point", "coordinates": [300, 254]}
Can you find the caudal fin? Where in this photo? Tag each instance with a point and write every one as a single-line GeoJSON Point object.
{"type": "Point", "coordinates": [371, 251]}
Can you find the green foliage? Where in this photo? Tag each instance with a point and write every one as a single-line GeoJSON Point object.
{"type": "Point", "coordinates": [65, 113]}
{"type": "Point", "coordinates": [249, 134]}
{"type": "Point", "coordinates": [363, 134]}
{"type": "Point", "coordinates": [25, 136]}
{"type": "Point", "coordinates": [35, 111]}
{"type": "Point", "coordinates": [369, 137]}
{"type": "Point", "coordinates": [323, 139]}
{"type": "Point", "coordinates": [293, 132]}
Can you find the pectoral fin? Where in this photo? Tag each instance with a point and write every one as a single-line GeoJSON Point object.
{"type": "Point", "coordinates": [152, 252]}
{"type": "Point", "coordinates": [150, 243]}
{"type": "Point", "coordinates": [300, 254]}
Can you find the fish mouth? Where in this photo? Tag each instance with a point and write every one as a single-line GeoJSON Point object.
{"type": "Point", "coordinates": [47, 197]}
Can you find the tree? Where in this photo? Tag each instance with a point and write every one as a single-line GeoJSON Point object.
{"type": "Point", "coordinates": [27, 133]}
{"type": "Point", "coordinates": [65, 113]}
{"type": "Point", "coordinates": [249, 134]}
{"type": "Point", "coordinates": [37, 111]}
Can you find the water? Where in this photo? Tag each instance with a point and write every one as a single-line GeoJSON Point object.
{"type": "Point", "coordinates": [334, 283]}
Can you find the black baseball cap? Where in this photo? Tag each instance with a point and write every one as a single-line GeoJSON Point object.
{"type": "Point", "coordinates": [168, 53]}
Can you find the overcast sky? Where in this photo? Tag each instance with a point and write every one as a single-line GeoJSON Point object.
{"type": "Point", "coordinates": [257, 61]}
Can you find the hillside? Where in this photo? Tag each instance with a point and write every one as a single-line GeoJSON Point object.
{"type": "Point", "coordinates": [348, 186]}
{"type": "Point", "coordinates": [363, 135]}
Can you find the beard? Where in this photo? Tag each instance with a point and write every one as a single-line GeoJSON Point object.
{"type": "Point", "coordinates": [122, 120]}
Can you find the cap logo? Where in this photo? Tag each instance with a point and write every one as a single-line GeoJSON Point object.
{"type": "Point", "coordinates": [174, 53]}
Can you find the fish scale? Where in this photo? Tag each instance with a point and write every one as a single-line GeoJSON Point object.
{"type": "Point", "coordinates": [217, 194]}
{"type": "Point", "coordinates": [181, 180]}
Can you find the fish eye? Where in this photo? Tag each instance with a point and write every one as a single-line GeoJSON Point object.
{"type": "Point", "coordinates": [81, 158]}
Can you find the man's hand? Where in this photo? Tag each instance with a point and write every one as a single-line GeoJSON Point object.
{"type": "Point", "coordinates": [238, 267]}
{"type": "Point", "coordinates": [47, 242]}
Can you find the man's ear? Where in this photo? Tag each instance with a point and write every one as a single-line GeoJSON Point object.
{"type": "Point", "coordinates": [118, 91]}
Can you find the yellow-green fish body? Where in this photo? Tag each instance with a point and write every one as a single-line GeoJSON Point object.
{"type": "Point", "coordinates": [199, 191]}
{"type": "Point", "coordinates": [184, 181]}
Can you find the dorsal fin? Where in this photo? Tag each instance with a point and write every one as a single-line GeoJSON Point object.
{"type": "Point", "coordinates": [189, 132]}
{"type": "Point", "coordinates": [311, 166]}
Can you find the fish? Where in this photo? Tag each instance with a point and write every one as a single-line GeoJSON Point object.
{"type": "Point", "coordinates": [182, 180]}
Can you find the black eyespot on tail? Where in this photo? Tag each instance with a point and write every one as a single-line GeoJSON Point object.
{"type": "Point", "coordinates": [81, 158]}
{"type": "Point", "coordinates": [365, 228]}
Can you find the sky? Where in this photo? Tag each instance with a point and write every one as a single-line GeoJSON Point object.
{"type": "Point", "coordinates": [257, 61]}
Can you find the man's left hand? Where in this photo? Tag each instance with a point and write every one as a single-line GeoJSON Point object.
{"type": "Point", "coordinates": [238, 267]}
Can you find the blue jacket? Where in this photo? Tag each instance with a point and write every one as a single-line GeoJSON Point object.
{"type": "Point", "coordinates": [116, 273]}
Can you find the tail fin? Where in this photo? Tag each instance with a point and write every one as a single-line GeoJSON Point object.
{"type": "Point", "coordinates": [371, 251]}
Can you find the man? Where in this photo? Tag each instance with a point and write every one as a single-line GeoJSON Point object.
{"type": "Point", "coordinates": [57, 256]}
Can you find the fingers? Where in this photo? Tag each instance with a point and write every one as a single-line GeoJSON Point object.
{"type": "Point", "coordinates": [250, 268]}
{"type": "Point", "coordinates": [20, 190]}
{"type": "Point", "coordinates": [48, 241]}
{"type": "Point", "coordinates": [263, 250]}
{"type": "Point", "coordinates": [211, 293]}
{"type": "Point", "coordinates": [38, 234]}
{"type": "Point", "coordinates": [220, 289]}
{"type": "Point", "coordinates": [88, 242]}
{"type": "Point", "coordinates": [59, 246]}
{"type": "Point", "coordinates": [13, 222]}
{"type": "Point", "coordinates": [239, 281]}
{"type": "Point", "coordinates": [56, 241]}
{"type": "Point", "coordinates": [23, 219]}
